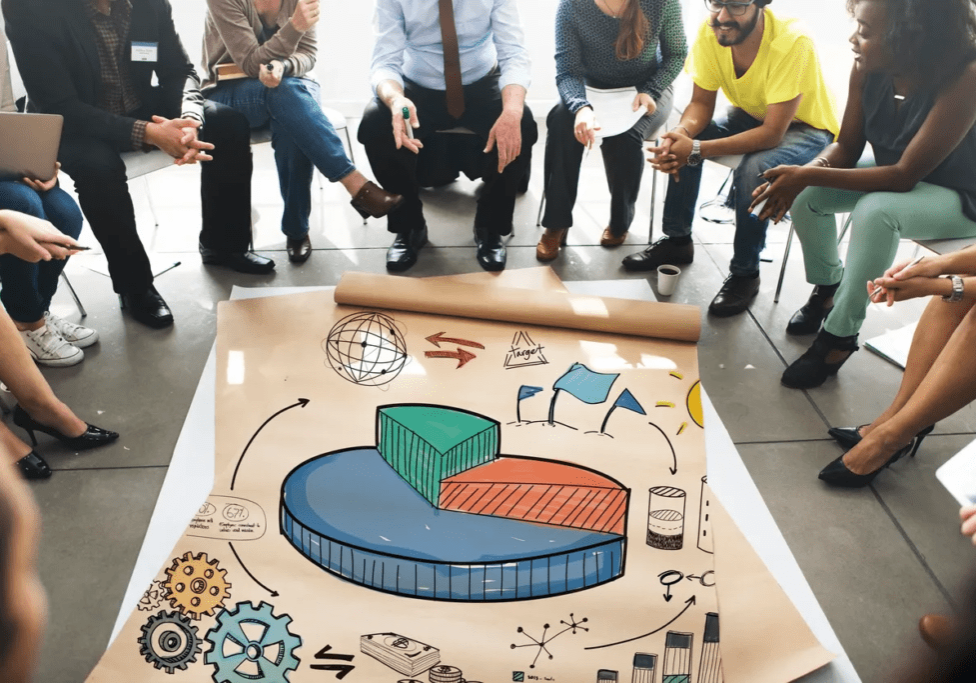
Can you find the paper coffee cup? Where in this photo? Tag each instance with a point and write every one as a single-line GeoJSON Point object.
{"type": "Point", "coordinates": [667, 278]}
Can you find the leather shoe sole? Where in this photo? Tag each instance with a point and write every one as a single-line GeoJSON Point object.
{"type": "Point", "coordinates": [298, 249]}
{"type": "Point", "coordinates": [242, 262]}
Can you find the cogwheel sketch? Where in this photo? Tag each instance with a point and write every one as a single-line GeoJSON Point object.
{"type": "Point", "coordinates": [252, 644]}
{"type": "Point", "coordinates": [152, 599]}
{"type": "Point", "coordinates": [169, 641]}
{"type": "Point", "coordinates": [196, 585]}
{"type": "Point", "coordinates": [366, 348]}
{"type": "Point", "coordinates": [543, 641]}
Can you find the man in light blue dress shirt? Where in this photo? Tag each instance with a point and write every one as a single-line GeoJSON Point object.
{"type": "Point", "coordinates": [409, 79]}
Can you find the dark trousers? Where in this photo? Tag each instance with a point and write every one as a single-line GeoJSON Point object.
{"type": "Point", "coordinates": [103, 193]}
{"type": "Point", "coordinates": [396, 169]}
{"type": "Point", "coordinates": [623, 159]}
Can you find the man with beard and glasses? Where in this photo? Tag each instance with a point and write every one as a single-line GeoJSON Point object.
{"type": "Point", "coordinates": [782, 113]}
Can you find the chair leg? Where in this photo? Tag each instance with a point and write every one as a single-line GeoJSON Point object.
{"type": "Point", "coordinates": [650, 229]}
{"type": "Point", "coordinates": [542, 205]}
{"type": "Point", "coordinates": [74, 295]}
{"type": "Point", "coordinates": [152, 207]}
{"type": "Point", "coordinates": [782, 268]}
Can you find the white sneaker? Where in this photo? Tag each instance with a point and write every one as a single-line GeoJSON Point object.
{"type": "Point", "coordinates": [76, 335]}
{"type": "Point", "coordinates": [50, 348]}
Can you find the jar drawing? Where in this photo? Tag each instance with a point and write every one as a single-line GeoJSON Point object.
{"type": "Point", "coordinates": [666, 518]}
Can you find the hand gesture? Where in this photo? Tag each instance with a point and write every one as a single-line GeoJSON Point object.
{"type": "Point", "coordinates": [891, 290]}
{"type": "Point", "coordinates": [33, 239]}
{"type": "Point", "coordinates": [779, 195]}
{"type": "Point", "coordinates": [43, 185]}
{"type": "Point", "coordinates": [400, 136]}
{"type": "Point", "coordinates": [585, 127]}
{"type": "Point", "coordinates": [168, 134]}
{"type": "Point", "coordinates": [194, 152]}
{"type": "Point", "coordinates": [306, 15]}
{"type": "Point", "coordinates": [272, 73]}
{"type": "Point", "coordinates": [672, 154]}
{"type": "Point", "coordinates": [507, 135]}
{"type": "Point", "coordinates": [646, 101]}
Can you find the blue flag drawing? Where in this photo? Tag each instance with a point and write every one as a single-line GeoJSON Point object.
{"type": "Point", "coordinates": [525, 391]}
{"type": "Point", "coordinates": [627, 400]}
{"type": "Point", "coordinates": [586, 385]}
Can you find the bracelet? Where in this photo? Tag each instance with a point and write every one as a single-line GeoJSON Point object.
{"type": "Point", "coordinates": [824, 162]}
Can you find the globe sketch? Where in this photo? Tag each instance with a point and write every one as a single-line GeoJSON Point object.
{"type": "Point", "coordinates": [366, 348]}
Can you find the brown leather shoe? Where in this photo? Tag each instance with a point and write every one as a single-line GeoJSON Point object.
{"type": "Point", "coordinates": [298, 250]}
{"type": "Point", "coordinates": [610, 240]}
{"type": "Point", "coordinates": [937, 631]}
{"type": "Point", "coordinates": [373, 200]}
{"type": "Point", "coordinates": [548, 247]}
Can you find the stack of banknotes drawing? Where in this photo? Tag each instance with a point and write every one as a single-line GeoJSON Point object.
{"type": "Point", "coordinates": [404, 655]}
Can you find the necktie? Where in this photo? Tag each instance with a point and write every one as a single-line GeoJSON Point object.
{"type": "Point", "coordinates": [452, 60]}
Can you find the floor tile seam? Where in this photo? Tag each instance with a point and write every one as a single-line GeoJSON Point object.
{"type": "Point", "coordinates": [108, 468]}
{"type": "Point", "coordinates": [781, 441]}
{"type": "Point", "coordinates": [914, 548]}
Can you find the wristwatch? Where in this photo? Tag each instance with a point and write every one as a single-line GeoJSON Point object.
{"type": "Point", "coordinates": [695, 157]}
{"type": "Point", "coordinates": [957, 289]}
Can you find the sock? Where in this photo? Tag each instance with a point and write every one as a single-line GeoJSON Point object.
{"type": "Point", "coordinates": [680, 241]}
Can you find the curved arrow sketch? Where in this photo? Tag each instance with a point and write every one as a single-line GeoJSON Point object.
{"type": "Point", "coordinates": [688, 603]}
{"type": "Point", "coordinates": [273, 593]}
{"type": "Point", "coordinates": [674, 456]}
{"type": "Point", "coordinates": [461, 356]}
{"type": "Point", "coordinates": [301, 402]}
{"type": "Point", "coordinates": [436, 340]}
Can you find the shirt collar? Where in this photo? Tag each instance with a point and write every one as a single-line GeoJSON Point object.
{"type": "Point", "coordinates": [93, 12]}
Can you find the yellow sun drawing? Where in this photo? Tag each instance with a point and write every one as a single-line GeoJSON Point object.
{"type": "Point", "coordinates": [695, 404]}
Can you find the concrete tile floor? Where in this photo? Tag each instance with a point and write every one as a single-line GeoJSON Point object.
{"type": "Point", "coordinates": [877, 558]}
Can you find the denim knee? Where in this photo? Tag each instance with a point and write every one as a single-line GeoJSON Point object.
{"type": "Point", "coordinates": [15, 196]}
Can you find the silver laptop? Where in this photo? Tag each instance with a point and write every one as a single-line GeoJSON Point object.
{"type": "Point", "coordinates": [29, 145]}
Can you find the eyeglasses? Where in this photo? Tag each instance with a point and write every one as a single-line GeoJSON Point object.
{"type": "Point", "coordinates": [736, 9]}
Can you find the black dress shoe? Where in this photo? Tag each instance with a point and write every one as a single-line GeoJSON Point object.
{"type": "Point", "coordinates": [837, 474]}
{"type": "Point", "coordinates": [809, 318]}
{"type": "Point", "coordinates": [147, 307]}
{"type": "Point", "coordinates": [820, 361]}
{"type": "Point", "coordinates": [298, 249]}
{"type": "Point", "coordinates": [92, 437]}
{"type": "Point", "coordinates": [402, 254]}
{"type": "Point", "coordinates": [736, 294]}
{"type": "Point", "coordinates": [33, 466]}
{"type": "Point", "coordinates": [662, 252]}
{"type": "Point", "coordinates": [241, 261]}
{"type": "Point", "coordinates": [491, 251]}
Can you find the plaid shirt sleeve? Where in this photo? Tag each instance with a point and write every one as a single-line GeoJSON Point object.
{"type": "Point", "coordinates": [139, 135]}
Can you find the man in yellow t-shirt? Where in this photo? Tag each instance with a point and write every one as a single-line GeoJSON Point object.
{"type": "Point", "coordinates": [782, 113]}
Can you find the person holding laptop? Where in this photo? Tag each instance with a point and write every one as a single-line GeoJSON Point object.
{"type": "Point", "coordinates": [27, 288]}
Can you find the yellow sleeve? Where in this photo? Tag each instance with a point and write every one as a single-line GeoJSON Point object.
{"type": "Point", "coordinates": [792, 73]}
{"type": "Point", "coordinates": [702, 63]}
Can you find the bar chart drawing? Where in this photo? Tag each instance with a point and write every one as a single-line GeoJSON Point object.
{"type": "Point", "coordinates": [606, 676]}
{"type": "Point", "coordinates": [645, 668]}
{"type": "Point", "coordinates": [677, 657]}
{"type": "Point", "coordinates": [710, 667]}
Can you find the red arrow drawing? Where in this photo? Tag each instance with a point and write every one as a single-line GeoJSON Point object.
{"type": "Point", "coordinates": [435, 339]}
{"type": "Point", "coordinates": [460, 355]}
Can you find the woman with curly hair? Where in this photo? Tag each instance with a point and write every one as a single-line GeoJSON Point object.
{"type": "Point", "coordinates": [911, 97]}
{"type": "Point", "coordinates": [607, 44]}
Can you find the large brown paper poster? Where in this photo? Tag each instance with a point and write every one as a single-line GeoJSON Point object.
{"type": "Point", "coordinates": [408, 497]}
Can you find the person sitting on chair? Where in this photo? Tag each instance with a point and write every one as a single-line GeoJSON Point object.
{"type": "Point", "coordinates": [782, 113]}
{"type": "Point", "coordinates": [464, 66]}
{"type": "Point", "coordinates": [93, 62]}
{"type": "Point", "coordinates": [27, 288]}
{"type": "Point", "coordinates": [607, 44]}
{"type": "Point", "coordinates": [911, 97]}
{"type": "Point", "coordinates": [272, 42]}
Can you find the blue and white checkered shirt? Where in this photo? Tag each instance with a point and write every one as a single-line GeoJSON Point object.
{"type": "Point", "coordinates": [408, 42]}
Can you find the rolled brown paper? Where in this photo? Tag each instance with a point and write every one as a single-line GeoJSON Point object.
{"type": "Point", "coordinates": [505, 304]}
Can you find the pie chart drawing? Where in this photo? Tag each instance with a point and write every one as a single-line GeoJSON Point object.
{"type": "Point", "coordinates": [434, 511]}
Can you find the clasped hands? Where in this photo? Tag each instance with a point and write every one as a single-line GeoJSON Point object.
{"type": "Point", "coordinates": [506, 134]}
{"type": "Point", "coordinates": [178, 138]}
{"type": "Point", "coordinates": [908, 280]}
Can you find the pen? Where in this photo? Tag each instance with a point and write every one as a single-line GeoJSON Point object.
{"type": "Point", "coordinates": [405, 112]}
{"type": "Point", "coordinates": [759, 207]}
{"type": "Point", "coordinates": [913, 263]}
{"type": "Point", "coordinates": [70, 247]}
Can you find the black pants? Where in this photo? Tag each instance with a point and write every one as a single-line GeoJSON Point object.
{"type": "Point", "coordinates": [623, 159]}
{"type": "Point", "coordinates": [103, 193]}
{"type": "Point", "coordinates": [396, 169]}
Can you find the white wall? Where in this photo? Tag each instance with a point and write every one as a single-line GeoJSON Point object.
{"type": "Point", "coordinates": [346, 42]}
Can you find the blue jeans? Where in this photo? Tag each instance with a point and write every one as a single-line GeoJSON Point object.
{"type": "Point", "coordinates": [301, 135]}
{"type": "Point", "coordinates": [29, 287]}
{"type": "Point", "coordinates": [800, 145]}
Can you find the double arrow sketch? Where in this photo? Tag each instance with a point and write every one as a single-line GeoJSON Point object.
{"type": "Point", "coordinates": [461, 356]}
{"type": "Point", "coordinates": [341, 670]}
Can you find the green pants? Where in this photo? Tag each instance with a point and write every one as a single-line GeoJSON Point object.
{"type": "Point", "coordinates": [878, 221]}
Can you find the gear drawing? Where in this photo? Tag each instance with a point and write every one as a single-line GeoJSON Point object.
{"type": "Point", "coordinates": [152, 599]}
{"type": "Point", "coordinates": [195, 585]}
{"type": "Point", "coordinates": [169, 641]}
{"type": "Point", "coordinates": [252, 644]}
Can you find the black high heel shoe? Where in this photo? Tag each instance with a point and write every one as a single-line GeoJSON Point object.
{"type": "Point", "coordinates": [848, 437]}
{"type": "Point", "coordinates": [837, 474]}
{"type": "Point", "coordinates": [91, 438]}
{"type": "Point", "coordinates": [33, 466]}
